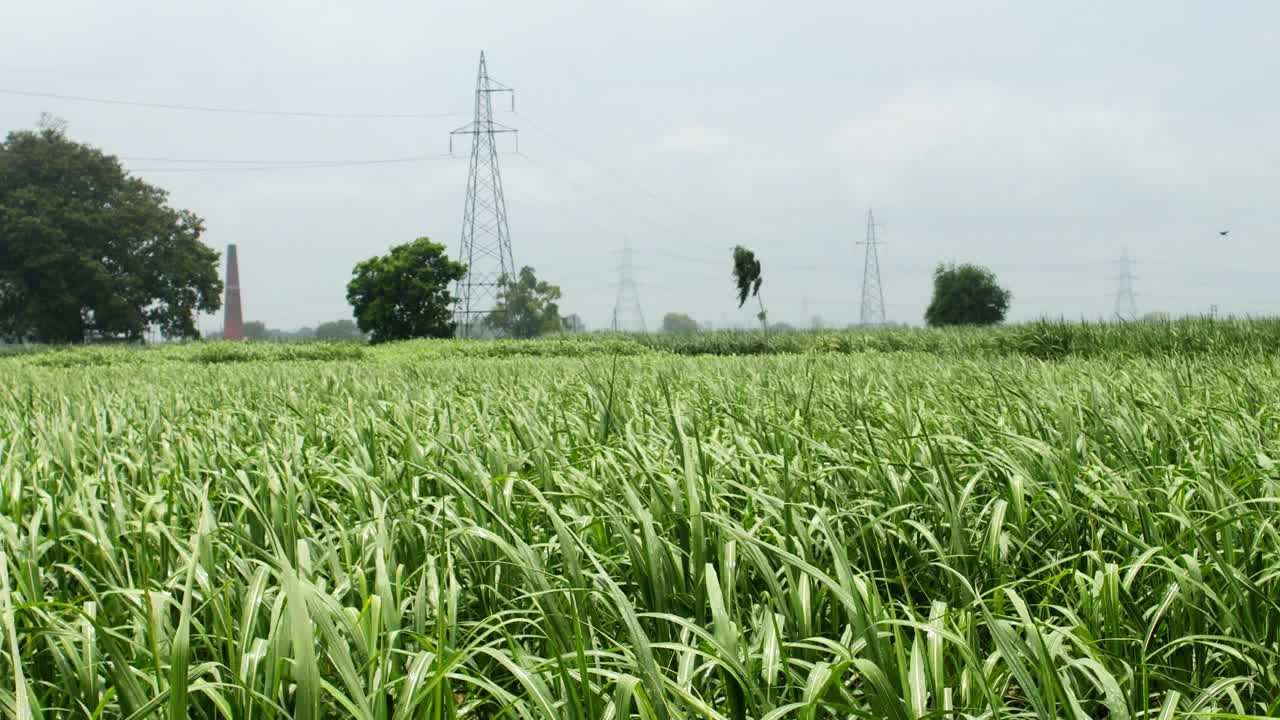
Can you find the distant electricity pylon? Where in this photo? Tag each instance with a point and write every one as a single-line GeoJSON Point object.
{"type": "Point", "coordinates": [627, 314]}
{"type": "Point", "coordinates": [1126, 298]}
{"type": "Point", "coordinates": [872, 312]}
{"type": "Point", "coordinates": [486, 239]}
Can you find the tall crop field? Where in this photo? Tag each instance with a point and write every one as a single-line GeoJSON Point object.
{"type": "Point", "coordinates": [394, 534]}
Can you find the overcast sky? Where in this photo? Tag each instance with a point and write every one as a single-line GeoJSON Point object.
{"type": "Point", "coordinates": [1038, 138]}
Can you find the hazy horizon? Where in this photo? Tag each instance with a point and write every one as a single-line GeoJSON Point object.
{"type": "Point", "coordinates": [1038, 140]}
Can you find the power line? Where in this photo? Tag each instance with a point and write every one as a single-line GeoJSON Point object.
{"type": "Point", "coordinates": [243, 166]}
{"type": "Point", "coordinates": [231, 110]}
{"type": "Point", "coordinates": [275, 161]}
{"type": "Point", "coordinates": [635, 184]}
{"type": "Point", "coordinates": [674, 232]}
{"type": "Point", "coordinates": [599, 197]}
{"type": "Point", "coordinates": [238, 164]}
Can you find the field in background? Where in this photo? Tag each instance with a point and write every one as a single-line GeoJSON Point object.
{"type": "Point", "coordinates": [1046, 340]}
{"type": "Point", "coordinates": [1036, 521]}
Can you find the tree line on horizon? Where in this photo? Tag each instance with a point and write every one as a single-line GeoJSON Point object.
{"type": "Point", "coordinates": [340, 330]}
{"type": "Point", "coordinates": [90, 253]}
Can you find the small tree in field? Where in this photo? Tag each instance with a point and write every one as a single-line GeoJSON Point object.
{"type": "Point", "coordinates": [527, 307]}
{"type": "Point", "coordinates": [405, 293]}
{"type": "Point", "coordinates": [572, 323]}
{"type": "Point", "coordinates": [256, 330]}
{"type": "Point", "coordinates": [678, 323]}
{"type": "Point", "coordinates": [966, 294]}
{"type": "Point", "coordinates": [747, 278]}
{"type": "Point", "coordinates": [343, 329]}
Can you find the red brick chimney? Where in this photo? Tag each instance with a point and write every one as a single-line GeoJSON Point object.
{"type": "Point", "coordinates": [233, 322]}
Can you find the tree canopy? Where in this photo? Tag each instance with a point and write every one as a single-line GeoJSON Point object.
{"type": "Point", "coordinates": [256, 330]}
{"type": "Point", "coordinates": [966, 294]}
{"type": "Point", "coordinates": [405, 293]}
{"type": "Point", "coordinates": [526, 306]}
{"type": "Point", "coordinates": [678, 323]}
{"type": "Point", "coordinates": [343, 329]}
{"type": "Point", "coordinates": [89, 252]}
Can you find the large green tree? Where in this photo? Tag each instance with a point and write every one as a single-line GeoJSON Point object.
{"type": "Point", "coordinates": [405, 293]}
{"type": "Point", "coordinates": [89, 252]}
{"type": "Point", "coordinates": [966, 294]}
{"type": "Point", "coordinates": [526, 307]}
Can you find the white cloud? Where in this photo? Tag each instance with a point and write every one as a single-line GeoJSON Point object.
{"type": "Point", "coordinates": [958, 146]}
{"type": "Point", "coordinates": [696, 139]}
{"type": "Point", "coordinates": [534, 182]}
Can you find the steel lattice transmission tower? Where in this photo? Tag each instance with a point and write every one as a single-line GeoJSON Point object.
{"type": "Point", "coordinates": [1126, 298]}
{"type": "Point", "coordinates": [627, 314]}
{"type": "Point", "coordinates": [872, 312]}
{"type": "Point", "coordinates": [486, 240]}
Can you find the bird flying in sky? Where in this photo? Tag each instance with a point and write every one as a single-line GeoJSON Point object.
{"type": "Point", "coordinates": [1223, 233]}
